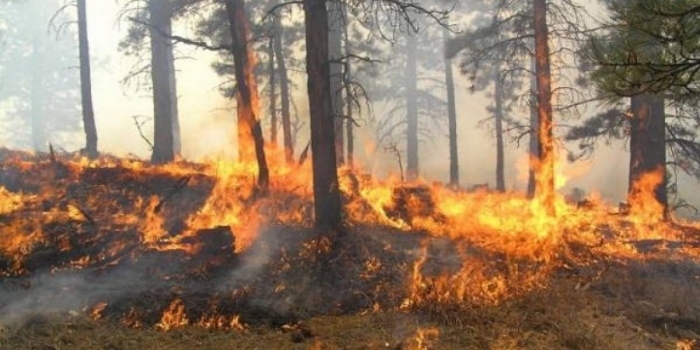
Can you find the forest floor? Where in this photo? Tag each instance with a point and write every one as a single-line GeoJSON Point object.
{"type": "Point", "coordinates": [77, 272]}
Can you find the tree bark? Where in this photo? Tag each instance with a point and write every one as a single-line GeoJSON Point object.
{"type": "Point", "coordinates": [163, 140]}
{"type": "Point", "coordinates": [172, 82]}
{"type": "Point", "coordinates": [284, 93]}
{"type": "Point", "coordinates": [335, 55]}
{"type": "Point", "coordinates": [86, 83]}
{"type": "Point", "coordinates": [347, 82]}
{"type": "Point", "coordinates": [411, 109]}
{"type": "Point", "coordinates": [327, 208]}
{"type": "Point", "coordinates": [498, 114]}
{"type": "Point", "coordinates": [534, 148]}
{"type": "Point", "coordinates": [647, 150]}
{"type": "Point", "coordinates": [273, 92]}
{"type": "Point", "coordinates": [545, 190]}
{"type": "Point", "coordinates": [452, 119]}
{"type": "Point", "coordinates": [349, 128]}
{"type": "Point", "coordinates": [248, 100]}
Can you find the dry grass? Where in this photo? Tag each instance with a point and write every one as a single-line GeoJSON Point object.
{"type": "Point", "coordinates": [559, 317]}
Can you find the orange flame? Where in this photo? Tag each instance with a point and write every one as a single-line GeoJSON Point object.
{"type": "Point", "coordinates": [644, 205]}
{"type": "Point", "coordinates": [173, 317]}
{"type": "Point", "coordinates": [494, 224]}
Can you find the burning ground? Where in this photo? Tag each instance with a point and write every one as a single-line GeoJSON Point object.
{"type": "Point", "coordinates": [118, 254]}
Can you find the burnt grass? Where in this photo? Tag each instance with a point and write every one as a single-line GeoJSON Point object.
{"type": "Point", "coordinates": [293, 288]}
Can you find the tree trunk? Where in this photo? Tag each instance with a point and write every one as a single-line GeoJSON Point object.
{"type": "Point", "coordinates": [533, 152]}
{"type": "Point", "coordinates": [452, 119]}
{"type": "Point", "coordinates": [327, 207]}
{"type": "Point", "coordinates": [172, 82]}
{"type": "Point", "coordinates": [347, 82]}
{"type": "Point", "coordinates": [498, 114]}
{"type": "Point", "coordinates": [284, 93]}
{"type": "Point", "coordinates": [411, 109]}
{"type": "Point", "coordinates": [349, 128]}
{"type": "Point", "coordinates": [273, 92]}
{"type": "Point", "coordinates": [86, 83]}
{"type": "Point", "coordinates": [248, 101]}
{"type": "Point", "coordinates": [335, 55]}
{"type": "Point", "coordinates": [544, 191]}
{"type": "Point", "coordinates": [163, 140]}
{"type": "Point", "coordinates": [648, 152]}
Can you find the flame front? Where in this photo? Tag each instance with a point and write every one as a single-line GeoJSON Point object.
{"type": "Point", "coordinates": [505, 243]}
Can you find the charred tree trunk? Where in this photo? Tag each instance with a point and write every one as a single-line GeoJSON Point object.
{"type": "Point", "coordinates": [86, 83]}
{"type": "Point", "coordinates": [163, 140]}
{"type": "Point", "coordinates": [648, 151]}
{"type": "Point", "coordinates": [335, 55]}
{"type": "Point", "coordinates": [411, 109]}
{"type": "Point", "coordinates": [498, 114]}
{"type": "Point", "coordinates": [544, 175]}
{"type": "Point", "coordinates": [327, 207]}
{"type": "Point", "coordinates": [349, 128]}
{"type": "Point", "coordinates": [533, 152]}
{"type": "Point", "coordinates": [347, 82]}
{"type": "Point", "coordinates": [273, 92]}
{"type": "Point", "coordinates": [349, 112]}
{"type": "Point", "coordinates": [284, 92]}
{"type": "Point", "coordinates": [248, 101]}
{"type": "Point", "coordinates": [452, 120]}
{"type": "Point", "coordinates": [172, 82]}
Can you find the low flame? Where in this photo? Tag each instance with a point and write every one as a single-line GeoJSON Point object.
{"type": "Point", "coordinates": [644, 206]}
{"type": "Point", "coordinates": [173, 317]}
{"type": "Point", "coordinates": [480, 225]}
{"type": "Point", "coordinates": [424, 339]}
{"type": "Point", "coordinates": [97, 310]}
{"type": "Point", "coordinates": [221, 322]}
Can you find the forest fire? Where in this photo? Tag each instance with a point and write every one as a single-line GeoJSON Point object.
{"type": "Point", "coordinates": [187, 224]}
{"type": "Point", "coordinates": [329, 246]}
{"type": "Point", "coordinates": [488, 219]}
